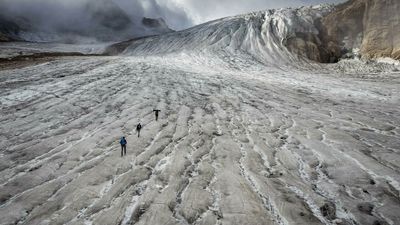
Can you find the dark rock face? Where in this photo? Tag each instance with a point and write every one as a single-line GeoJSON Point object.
{"type": "Point", "coordinates": [313, 43]}
{"type": "Point", "coordinates": [328, 210]}
{"type": "Point", "coordinates": [314, 47]}
{"type": "Point", "coordinates": [366, 207]}
{"type": "Point", "coordinates": [344, 26]}
{"type": "Point", "coordinates": [158, 24]}
{"type": "Point", "coordinates": [108, 15]}
{"type": "Point", "coordinates": [153, 22]}
{"type": "Point", "coordinates": [7, 29]}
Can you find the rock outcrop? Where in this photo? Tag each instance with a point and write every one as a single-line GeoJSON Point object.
{"type": "Point", "coordinates": [7, 29]}
{"type": "Point", "coordinates": [370, 26]}
{"type": "Point", "coordinates": [157, 24]}
{"type": "Point", "coordinates": [309, 37]}
{"type": "Point", "coordinates": [382, 29]}
{"type": "Point", "coordinates": [357, 28]}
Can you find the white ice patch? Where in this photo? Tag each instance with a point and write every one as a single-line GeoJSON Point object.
{"type": "Point", "coordinates": [388, 61]}
{"type": "Point", "coordinates": [17, 97]}
{"type": "Point", "coordinates": [130, 209]}
{"type": "Point", "coordinates": [163, 163]}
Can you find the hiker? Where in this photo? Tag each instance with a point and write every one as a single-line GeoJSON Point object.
{"type": "Point", "coordinates": [123, 143]}
{"type": "Point", "coordinates": [138, 128]}
{"type": "Point", "coordinates": [156, 111]}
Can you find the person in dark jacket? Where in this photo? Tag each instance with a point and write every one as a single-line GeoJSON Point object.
{"type": "Point", "coordinates": [123, 143]}
{"type": "Point", "coordinates": [138, 128]}
{"type": "Point", "coordinates": [156, 111]}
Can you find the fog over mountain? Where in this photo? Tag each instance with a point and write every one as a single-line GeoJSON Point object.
{"type": "Point", "coordinates": [105, 20]}
{"type": "Point", "coordinates": [206, 10]}
{"type": "Point", "coordinates": [45, 20]}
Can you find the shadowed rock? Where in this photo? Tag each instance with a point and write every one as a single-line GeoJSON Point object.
{"type": "Point", "coordinates": [366, 207]}
{"type": "Point", "coordinates": [328, 210]}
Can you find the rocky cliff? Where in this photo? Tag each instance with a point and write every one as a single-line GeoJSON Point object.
{"type": "Point", "coordinates": [382, 29]}
{"type": "Point", "coordinates": [309, 37]}
{"type": "Point", "coordinates": [357, 28]}
{"type": "Point", "coordinates": [370, 26]}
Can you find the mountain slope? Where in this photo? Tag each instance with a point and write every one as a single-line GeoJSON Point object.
{"type": "Point", "coordinates": [262, 36]}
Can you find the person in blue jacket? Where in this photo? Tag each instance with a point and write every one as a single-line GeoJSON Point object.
{"type": "Point", "coordinates": [123, 143]}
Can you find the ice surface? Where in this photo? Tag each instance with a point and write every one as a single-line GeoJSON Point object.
{"type": "Point", "coordinates": [12, 49]}
{"type": "Point", "coordinates": [266, 146]}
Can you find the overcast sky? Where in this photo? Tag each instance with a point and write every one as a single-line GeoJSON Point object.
{"type": "Point", "coordinates": [179, 14]}
{"type": "Point", "coordinates": [200, 11]}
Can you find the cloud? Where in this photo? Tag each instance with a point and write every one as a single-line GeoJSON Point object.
{"type": "Point", "coordinates": [172, 12]}
{"type": "Point", "coordinates": [55, 15]}
{"type": "Point", "coordinates": [72, 20]}
{"type": "Point", "coordinates": [55, 12]}
{"type": "Point", "coordinates": [205, 10]}
{"type": "Point", "coordinates": [181, 14]}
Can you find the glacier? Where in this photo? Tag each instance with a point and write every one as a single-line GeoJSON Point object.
{"type": "Point", "coordinates": [249, 132]}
